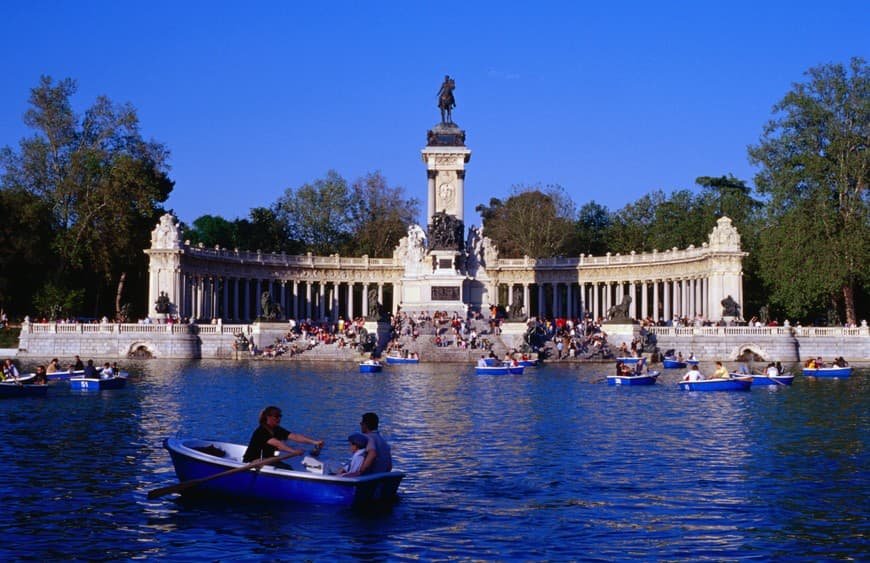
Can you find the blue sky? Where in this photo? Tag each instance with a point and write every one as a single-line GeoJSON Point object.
{"type": "Point", "coordinates": [609, 100]}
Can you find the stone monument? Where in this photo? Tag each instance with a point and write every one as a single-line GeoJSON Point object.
{"type": "Point", "coordinates": [436, 271]}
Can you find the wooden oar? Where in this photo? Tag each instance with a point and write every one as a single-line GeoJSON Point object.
{"type": "Point", "coordinates": [193, 482]}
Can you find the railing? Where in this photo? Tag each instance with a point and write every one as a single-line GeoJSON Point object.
{"type": "Point", "coordinates": [220, 328]}
{"type": "Point", "coordinates": [134, 328]}
{"type": "Point", "coordinates": [759, 331]}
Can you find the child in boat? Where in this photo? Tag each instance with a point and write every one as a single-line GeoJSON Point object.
{"type": "Point", "coordinates": [721, 372]}
{"type": "Point", "coordinates": [358, 443]}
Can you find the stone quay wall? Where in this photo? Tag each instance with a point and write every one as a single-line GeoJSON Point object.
{"type": "Point", "coordinates": [770, 343]}
{"type": "Point", "coordinates": [192, 341]}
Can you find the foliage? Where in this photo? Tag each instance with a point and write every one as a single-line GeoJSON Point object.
{"type": "Point", "coordinates": [593, 224]}
{"type": "Point", "coordinates": [56, 302]}
{"type": "Point", "coordinates": [815, 170]}
{"type": "Point", "coordinates": [379, 216]}
{"type": "Point", "coordinates": [26, 229]}
{"type": "Point", "coordinates": [318, 213]}
{"type": "Point", "coordinates": [535, 222]}
{"type": "Point", "coordinates": [102, 182]}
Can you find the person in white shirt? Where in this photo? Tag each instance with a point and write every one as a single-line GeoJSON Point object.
{"type": "Point", "coordinates": [693, 375]}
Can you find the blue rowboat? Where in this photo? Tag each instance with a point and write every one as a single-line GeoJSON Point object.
{"type": "Point", "coordinates": [303, 483]}
{"type": "Point", "coordinates": [720, 384]}
{"type": "Point", "coordinates": [528, 363]}
{"type": "Point", "coordinates": [784, 379]}
{"type": "Point", "coordinates": [828, 372]}
{"type": "Point", "coordinates": [97, 383]}
{"type": "Point", "coordinates": [370, 366]}
{"type": "Point", "coordinates": [642, 379]}
{"type": "Point", "coordinates": [399, 360]}
{"type": "Point", "coordinates": [10, 389]}
{"type": "Point", "coordinates": [499, 370]}
{"type": "Point", "coordinates": [673, 363]}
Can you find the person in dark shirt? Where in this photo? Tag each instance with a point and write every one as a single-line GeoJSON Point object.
{"type": "Point", "coordinates": [271, 436]}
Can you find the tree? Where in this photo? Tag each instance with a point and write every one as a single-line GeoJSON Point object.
{"type": "Point", "coordinates": [815, 169]}
{"type": "Point", "coordinates": [593, 224]}
{"type": "Point", "coordinates": [379, 216]}
{"type": "Point", "coordinates": [213, 230]}
{"type": "Point", "coordinates": [318, 214]}
{"type": "Point", "coordinates": [535, 222]}
{"type": "Point", "coordinates": [102, 181]}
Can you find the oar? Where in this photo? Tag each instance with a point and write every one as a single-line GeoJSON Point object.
{"type": "Point", "coordinates": [193, 482]}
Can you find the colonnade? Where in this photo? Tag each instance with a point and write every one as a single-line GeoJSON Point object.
{"type": "Point", "coordinates": [660, 299]}
{"type": "Point", "coordinates": [233, 298]}
{"type": "Point", "coordinates": [204, 284]}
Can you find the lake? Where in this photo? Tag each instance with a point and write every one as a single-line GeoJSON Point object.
{"type": "Point", "coordinates": [553, 465]}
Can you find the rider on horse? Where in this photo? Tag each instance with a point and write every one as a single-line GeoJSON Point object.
{"type": "Point", "coordinates": [446, 102]}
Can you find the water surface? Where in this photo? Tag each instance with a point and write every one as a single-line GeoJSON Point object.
{"type": "Point", "coordinates": [553, 465]}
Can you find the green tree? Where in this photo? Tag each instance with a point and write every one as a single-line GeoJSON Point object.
{"type": "Point", "coordinates": [265, 231]}
{"type": "Point", "coordinates": [213, 230]}
{"type": "Point", "coordinates": [26, 230]}
{"type": "Point", "coordinates": [593, 225]}
{"type": "Point", "coordinates": [815, 168]}
{"type": "Point", "coordinates": [102, 181]}
{"type": "Point", "coordinates": [535, 222]}
{"type": "Point", "coordinates": [379, 216]}
{"type": "Point", "coordinates": [318, 214]}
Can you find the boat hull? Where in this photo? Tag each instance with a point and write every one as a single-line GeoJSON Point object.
{"type": "Point", "coordinates": [64, 375]}
{"type": "Point", "coordinates": [11, 390]}
{"type": "Point", "coordinates": [370, 368]}
{"type": "Point", "coordinates": [644, 379]}
{"type": "Point", "coordinates": [273, 484]}
{"type": "Point", "coordinates": [96, 384]}
{"type": "Point", "coordinates": [499, 370]}
{"type": "Point", "coordinates": [673, 364]}
{"type": "Point", "coordinates": [785, 379]}
{"type": "Point", "coordinates": [403, 360]}
{"type": "Point", "coordinates": [828, 372]}
{"type": "Point", "coordinates": [730, 384]}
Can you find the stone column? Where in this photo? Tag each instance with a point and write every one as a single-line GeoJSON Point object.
{"type": "Point", "coordinates": [365, 300]}
{"type": "Point", "coordinates": [308, 299]}
{"type": "Point", "coordinates": [527, 310]}
{"type": "Point", "coordinates": [350, 288]}
{"type": "Point", "coordinates": [669, 315]}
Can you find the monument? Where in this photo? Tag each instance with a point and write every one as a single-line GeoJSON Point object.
{"type": "Point", "coordinates": [443, 268]}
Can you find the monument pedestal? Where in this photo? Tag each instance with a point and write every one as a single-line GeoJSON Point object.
{"type": "Point", "coordinates": [619, 333]}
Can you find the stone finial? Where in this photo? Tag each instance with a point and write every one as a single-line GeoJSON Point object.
{"type": "Point", "coordinates": [724, 236]}
{"type": "Point", "coordinates": [167, 234]}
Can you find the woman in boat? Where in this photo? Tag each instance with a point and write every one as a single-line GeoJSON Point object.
{"type": "Point", "coordinates": [52, 366]}
{"type": "Point", "coordinates": [270, 436]}
{"type": "Point", "coordinates": [721, 372]}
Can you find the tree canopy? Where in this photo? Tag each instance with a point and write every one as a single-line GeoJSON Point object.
{"type": "Point", "coordinates": [99, 181]}
{"type": "Point", "coordinates": [533, 221]}
{"type": "Point", "coordinates": [815, 169]}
